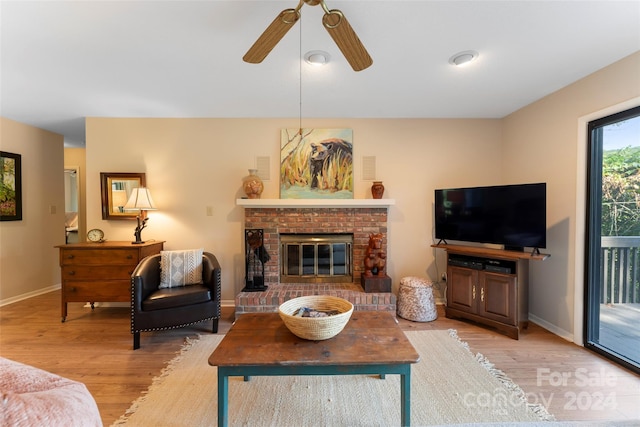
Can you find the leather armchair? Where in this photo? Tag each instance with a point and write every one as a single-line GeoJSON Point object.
{"type": "Point", "coordinates": [154, 309]}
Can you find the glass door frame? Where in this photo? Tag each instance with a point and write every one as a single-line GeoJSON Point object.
{"type": "Point", "coordinates": [593, 247]}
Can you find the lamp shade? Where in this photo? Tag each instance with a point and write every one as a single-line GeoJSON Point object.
{"type": "Point", "coordinates": [119, 198]}
{"type": "Point", "coordinates": [140, 199]}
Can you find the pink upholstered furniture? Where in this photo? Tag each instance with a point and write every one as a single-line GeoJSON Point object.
{"type": "Point", "coordinates": [32, 397]}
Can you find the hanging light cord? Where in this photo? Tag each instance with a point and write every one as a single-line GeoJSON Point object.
{"type": "Point", "coordinates": [300, 77]}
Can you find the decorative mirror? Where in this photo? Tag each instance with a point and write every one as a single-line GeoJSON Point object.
{"type": "Point", "coordinates": [116, 188]}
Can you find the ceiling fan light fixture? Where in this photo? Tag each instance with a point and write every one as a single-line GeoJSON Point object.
{"type": "Point", "coordinates": [317, 57]}
{"type": "Point", "coordinates": [333, 21]}
{"type": "Point", "coordinates": [464, 58]}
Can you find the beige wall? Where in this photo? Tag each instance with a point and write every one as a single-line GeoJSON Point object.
{"type": "Point", "coordinates": [28, 259]}
{"type": "Point", "coordinates": [194, 163]}
{"type": "Point", "coordinates": [543, 142]}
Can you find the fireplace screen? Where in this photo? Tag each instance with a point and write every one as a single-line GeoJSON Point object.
{"type": "Point", "coordinates": [316, 258]}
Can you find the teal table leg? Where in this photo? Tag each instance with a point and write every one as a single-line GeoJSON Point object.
{"type": "Point", "coordinates": [405, 398]}
{"type": "Point", "coordinates": [404, 370]}
{"type": "Point", "coordinates": [223, 398]}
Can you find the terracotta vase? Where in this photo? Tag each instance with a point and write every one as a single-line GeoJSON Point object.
{"type": "Point", "coordinates": [377, 189]}
{"type": "Point", "coordinates": [252, 185]}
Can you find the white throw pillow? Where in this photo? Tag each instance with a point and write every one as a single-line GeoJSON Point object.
{"type": "Point", "coordinates": [180, 268]}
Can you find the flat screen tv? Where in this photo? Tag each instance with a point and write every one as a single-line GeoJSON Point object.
{"type": "Point", "coordinates": [511, 215]}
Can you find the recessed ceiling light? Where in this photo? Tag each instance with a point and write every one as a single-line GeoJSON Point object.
{"type": "Point", "coordinates": [463, 58]}
{"type": "Point", "coordinates": [317, 57]}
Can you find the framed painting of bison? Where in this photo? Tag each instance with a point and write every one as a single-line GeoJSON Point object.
{"type": "Point", "coordinates": [316, 164]}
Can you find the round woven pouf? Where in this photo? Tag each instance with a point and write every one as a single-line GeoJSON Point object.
{"type": "Point", "coordinates": [415, 300]}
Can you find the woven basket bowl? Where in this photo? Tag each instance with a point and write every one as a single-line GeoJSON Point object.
{"type": "Point", "coordinates": [316, 328]}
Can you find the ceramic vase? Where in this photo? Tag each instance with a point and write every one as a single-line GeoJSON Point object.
{"type": "Point", "coordinates": [377, 189]}
{"type": "Point", "coordinates": [252, 185]}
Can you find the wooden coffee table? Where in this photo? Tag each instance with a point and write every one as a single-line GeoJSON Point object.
{"type": "Point", "coordinates": [260, 344]}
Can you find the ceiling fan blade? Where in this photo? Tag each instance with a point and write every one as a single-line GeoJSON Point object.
{"type": "Point", "coordinates": [272, 35]}
{"type": "Point", "coordinates": [347, 40]}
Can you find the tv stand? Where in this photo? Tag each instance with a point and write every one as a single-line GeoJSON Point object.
{"type": "Point", "coordinates": [489, 286]}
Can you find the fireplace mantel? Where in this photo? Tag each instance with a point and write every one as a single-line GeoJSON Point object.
{"type": "Point", "coordinates": [315, 203]}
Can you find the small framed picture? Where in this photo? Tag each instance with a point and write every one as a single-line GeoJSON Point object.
{"type": "Point", "coordinates": [10, 187]}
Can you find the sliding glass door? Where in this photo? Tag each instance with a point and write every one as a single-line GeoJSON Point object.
{"type": "Point", "coordinates": [612, 288]}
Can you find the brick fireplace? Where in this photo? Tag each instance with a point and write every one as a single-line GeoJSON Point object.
{"type": "Point", "coordinates": [287, 217]}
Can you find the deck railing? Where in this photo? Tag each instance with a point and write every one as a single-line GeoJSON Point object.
{"type": "Point", "coordinates": [620, 270]}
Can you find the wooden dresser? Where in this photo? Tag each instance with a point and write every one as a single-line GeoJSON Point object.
{"type": "Point", "coordinates": [100, 271]}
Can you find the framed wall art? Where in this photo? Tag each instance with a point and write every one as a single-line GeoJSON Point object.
{"type": "Point", "coordinates": [316, 164]}
{"type": "Point", "coordinates": [10, 187]}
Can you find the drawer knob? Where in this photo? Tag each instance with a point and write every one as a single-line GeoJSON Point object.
{"type": "Point", "coordinates": [129, 256]}
{"type": "Point", "coordinates": [71, 256]}
{"type": "Point", "coordinates": [72, 273]}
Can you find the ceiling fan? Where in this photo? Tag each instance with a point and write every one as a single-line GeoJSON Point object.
{"type": "Point", "coordinates": [333, 20]}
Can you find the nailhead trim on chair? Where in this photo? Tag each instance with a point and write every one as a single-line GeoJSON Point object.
{"type": "Point", "coordinates": [174, 327]}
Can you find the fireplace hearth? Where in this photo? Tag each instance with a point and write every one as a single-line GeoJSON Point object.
{"type": "Point", "coordinates": [269, 300]}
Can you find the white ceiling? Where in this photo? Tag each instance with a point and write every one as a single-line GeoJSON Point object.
{"type": "Point", "coordinates": [62, 61]}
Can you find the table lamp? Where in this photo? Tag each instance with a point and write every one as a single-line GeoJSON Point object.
{"type": "Point", "coordinates": [140, 200]}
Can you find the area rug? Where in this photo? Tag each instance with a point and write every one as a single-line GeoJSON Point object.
{"type": "Point", "coordinates": [448, 386]}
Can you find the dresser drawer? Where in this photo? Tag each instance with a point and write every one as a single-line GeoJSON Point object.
{"type": "Point", "coordinates": [97, 272]}
{"type": "Point", "coordinates": [99, 257]}
{"type": "Point", "coordinates": [84, 291]}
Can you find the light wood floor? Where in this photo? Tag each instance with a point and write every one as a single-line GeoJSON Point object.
{"type": "Point", "coordinates": [94, 347]}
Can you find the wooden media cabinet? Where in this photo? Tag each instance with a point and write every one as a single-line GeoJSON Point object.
{"type": "Point", "coordinates": [489, 286]}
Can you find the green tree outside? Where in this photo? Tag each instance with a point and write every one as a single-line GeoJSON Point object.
{"type": "Point", "coordinates": [621, 192]}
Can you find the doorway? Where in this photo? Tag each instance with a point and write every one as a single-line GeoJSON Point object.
{"type": "Point", "coordinates": [612, 285]}
{"type": "Point", "coordinates": [71, 205]}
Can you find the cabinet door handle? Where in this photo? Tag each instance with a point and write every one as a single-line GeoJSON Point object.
{"type": "Point", "coordinates": [482, 294]}
{"type": "Point", "coordinates": [473, 292]}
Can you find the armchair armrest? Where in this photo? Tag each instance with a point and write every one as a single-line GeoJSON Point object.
{"type": "Point", "coordinates": [211, 274]}
{"type": "Point", "coordinates": [145, 279]}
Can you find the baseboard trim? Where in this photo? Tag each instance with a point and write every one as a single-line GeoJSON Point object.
{"type": "Point", "coordinates": [28, 295]}
{"type": "Point", "coordinates": [551, 327]}
{"type": "Point", "coordinates": [22, 297]}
